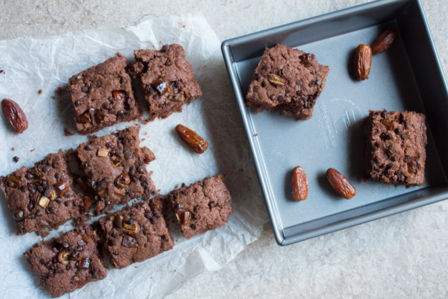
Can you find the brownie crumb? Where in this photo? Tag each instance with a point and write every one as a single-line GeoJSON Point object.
{"type": "Point", "coordinates": [13, 149]}
{"type": "Point", "coordinates": [15, 159]}
{"type": "Point", "coordinates": [60, 90]}
{"type": "Point", "coordinates": [68, 132]}
{"type": "Point", "coordinates": [2, 71]}
{"type": "Point", "coordinates": [39, 91]}
{"type": "Point", "coordinates": [32, 150]}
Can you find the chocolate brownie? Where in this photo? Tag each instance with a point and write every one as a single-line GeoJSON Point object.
{"type": "Point", "coordinates": [395, 149]}
{"type": "Point", "coordinates": [67, 263]}
{"type": "Point", "coordinates": [287, 80]}
{"type": "Point", "coordinates": [102, 96]}
{"type": "Point", "coordinates": [134, 234]}
{"type": "Point", "coordinates": [202, 206]}
{"type": "Point", "coordinates": [167, 79]}
{"type": "Point", "coordinates": [115, 168]}
{"type": "Point", "coordinates": [41, 197]}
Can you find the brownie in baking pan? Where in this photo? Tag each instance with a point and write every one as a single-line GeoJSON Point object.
{"type": "Point", "coordinates": [67, 263]}
{"type": "Point", "coordinates": [134, 234]}
{"type": "Point", "coordinates": [395, 150]}
{"type": "Point", "coordinates": [202, 206]}
{"type": "Point", "coordinates": [287, 80]}
{"type": "Point", "coordinates": [115, 168]}
{"type": "Point", "coordinates": [41, 197]}
{"type": "Point", "coordinates": [167, 79]}
{"type": "Point", "coordinates": [102, 96]}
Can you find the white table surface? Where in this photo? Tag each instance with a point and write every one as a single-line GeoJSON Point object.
{"type": "Point", "coordinates": [403, 256]}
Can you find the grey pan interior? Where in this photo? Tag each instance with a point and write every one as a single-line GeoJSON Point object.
{"type": "Point", "coordinates": [406, 77]}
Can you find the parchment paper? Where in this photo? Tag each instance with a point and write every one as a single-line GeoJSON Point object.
{"type": "Point", "coordinates": [31, 64]}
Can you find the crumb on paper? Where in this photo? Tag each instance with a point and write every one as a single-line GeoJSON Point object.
{"type": "Point", "coordinates": [60, 90]}
{"type": "Point", "coordinates": [143, 139]}
{"type": "Point", "coordinates": [256, 134]}
{"type": "Point", "coordinates": [39, 91]}
{"type": "Point", "coordinates": [15, 159]}
{"type": "Point", "coordinates": [2, 71]}
{"type": "Point", "coordinates": [68, 132]}
{"type": "Point", "coordinates": [32, 150]}
{"type": "Point", "coordinates": [13, 149]}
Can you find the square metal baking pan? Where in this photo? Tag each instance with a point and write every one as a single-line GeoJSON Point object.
{"type": "Point", "coordinates": [406, 77]}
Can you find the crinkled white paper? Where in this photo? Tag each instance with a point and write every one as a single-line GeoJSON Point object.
{"type": "Point", "coordinates": [31, 64]}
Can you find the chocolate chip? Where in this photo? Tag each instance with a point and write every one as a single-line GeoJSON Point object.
{"type": "Point", "coordinates": [78, 103]}
{"type": "Point", "coordinates": [15, 159]}
{"type": "Point", "coordinates": [165, 48]}
{"type": "Point", "coordinates": [168, 62]}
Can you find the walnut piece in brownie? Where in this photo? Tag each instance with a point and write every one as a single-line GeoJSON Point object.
{"type": "Point", "coordinates": [67, 263]}
{"type": "Point", "coordinates": [102, 96]}
{"type": "Point", "coordinates": [167, 79]}
{"type": "Point", "coordinates": [114, 166]}
{"type": "Point", "coordinates": [287, 80]}
{"type": "Point", "coordinates": [395, 149]}
{"type": "Point", "coordinates": [202, 206]}
{"type": "Point", "coordinates": [134, 234]}
{"type": "Point", "coordinates": [41, 197]}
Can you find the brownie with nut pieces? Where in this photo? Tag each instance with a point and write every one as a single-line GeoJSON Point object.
{"type": "Point", "coordinates": [115, 168]}
{"type": "Point", "coordinates": [287, 80]}
{"type": "Point", "coordinates": [134, 234]}
{"type": "Point", "coordinates": [102, 96]}
{"type": "Point", "coordinates": [41, 197]}
{"type": "Point", "coordinates": [167, 79]}
{"type": "Point", "coordinates": [395, 150]}
{"type": "Point", "coordinates": [67, 263]}
{"type": "Point", "coordinates": [202, 206]}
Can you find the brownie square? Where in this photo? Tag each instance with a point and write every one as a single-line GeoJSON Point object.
{"type": "Point", "coordinates": [67, 263]}
{"type": "Point", "coordinates": [167, 79]}
{"type": "Point", "coordinates": [102, 96]}
{"type": "Point", "coordinates": [202, 206]}
{"type": "Point", "coordinates": [287, 80]}
{"type": "Point", "coordinates": [395, 149]}
{"type": "Point", "coordinates": [115, 168]}
{"type": "Point", "coordinates": [41, 197]}
{"type": "Point", "coordinates": [134, 234]}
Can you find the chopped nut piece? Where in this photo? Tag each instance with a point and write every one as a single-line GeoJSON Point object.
{"type": "Point", "coordinates": [276, 80]}
{"type": "Point", "coordinates": [19, 215]}
{"type": "Point", "coordinates": [122, 180]}
{"type": "Point", "coordinates": [52, 194]}
{"type": "Point", "coordinates": [87, 203]}
{"type": "Point", "coordinates": [183, 217]}
{"type": "Point", "coordinates": [44, 201]}
{"type": "Point", "coordinates": [118, 220]}
{"type": "Point", "coordinates": [115, 160]}
{"type": "Point", "coordinates": [63, 257]}
{"type": "Point", "coordinates": [13, 181]}
{"type": "Point", "coordinates": [83, 263]}
{"type": "Point", "coordinates": [103, 152]}
{"type": "Point", "coordinates": [85, 118]}
{"type": "Point", "coordinates": [118, 94]}
{"type": "Point", "coordinates": [62, 187]}
{"type": "Point", "coordinates": [131, 228]}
